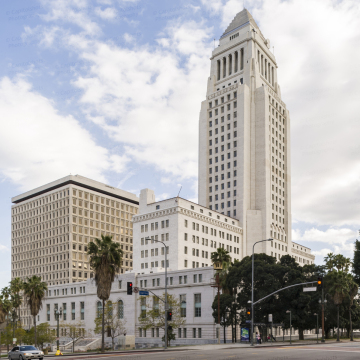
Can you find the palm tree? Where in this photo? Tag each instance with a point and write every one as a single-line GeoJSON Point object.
{"type": "Point", "coordinates": [221, 256]}
{"type": "Point", "coordinates": [34, 291]}
{"type": "Point", "coordinates": [353, 290]}
{"type": "Point", "coordinates": [105, 261]}
{"type": "Point", "coordinates": [339, 289]}
{"type": "Point", "coordinates": [16, 285]}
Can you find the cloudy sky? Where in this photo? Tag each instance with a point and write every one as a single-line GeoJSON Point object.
{"type": "Point", "coordinates": [111, 90]}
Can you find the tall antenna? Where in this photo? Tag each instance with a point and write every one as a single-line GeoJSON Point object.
{"type": "Point", "coordinates": [176, 200]}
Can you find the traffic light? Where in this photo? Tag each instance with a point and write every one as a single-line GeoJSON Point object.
{"type": "Point", "coordinates": [129, 288]}
{"type": "Point", "coordinates": [248, 313]}
{"type": "Point", "coordinates": [169, 316]}
{"type": "Point", "coordinates": [320, 283]}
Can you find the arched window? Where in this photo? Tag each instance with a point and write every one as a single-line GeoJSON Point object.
{"type": "Point", "coordinates": [120, 309]}
{"type": "Point", "coordinates": [98, 309]}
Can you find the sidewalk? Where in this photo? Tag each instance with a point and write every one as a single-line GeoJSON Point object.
{"type": "Point", "coordinates": [213, 347]}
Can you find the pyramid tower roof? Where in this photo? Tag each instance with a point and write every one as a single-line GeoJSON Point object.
{"type": "Point", "coordinates": [241, 19]}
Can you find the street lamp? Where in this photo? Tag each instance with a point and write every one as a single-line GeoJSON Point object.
{"type": "Point", "coordinates": [323, 302]}
{"type": "Point", "coordinates": [252, 291]}
{"type": "Point", "coordinates": [57, 314]}
{"type": "Point", "coordinates": [166, 306]}
{"type": "Point", "coordinates": [317, 328]}
{"type": "Point", "coordinates": [289, 311]}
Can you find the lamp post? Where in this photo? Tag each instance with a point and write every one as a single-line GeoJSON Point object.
{"type": "Point", "coordinates": [57, 314]}
{"type": "Point", "coordinates": [166, 305]}
{"type": "Point", "coordinates": [317, 328]}
{"type": "Point", "coordinates": [323, 302]}
{"type": "Point", "coordinates": [252, 291]}
{"type": "Point", "coordinates": [289, 311]}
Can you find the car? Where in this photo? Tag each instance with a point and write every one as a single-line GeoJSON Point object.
{"type": "Point", "coordinates": [24, 352]}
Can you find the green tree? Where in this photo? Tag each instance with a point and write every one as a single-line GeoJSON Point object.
{"type": "Point", "coordinates": [153, 314]}
{"type": "Point", "coordinates": [74, 330]}
{"type": "Point", "coordinates": [105, 261]}
{"type": "Point", "coordinates": [226, 309]}
{"type": "Point", "coordinates": [356, 262]}
{"type": "Point", "coordinates": [114, 323]}
{"type": "Point", "coordinates": [34, 291]}
{"type": "Point", "coordinates": [45, 334]}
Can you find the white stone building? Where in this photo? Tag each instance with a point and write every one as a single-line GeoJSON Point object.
{"type": "Point", "coordinates": [53, 224]}
{"type": "Point", "coordinates": [244, 145]}
{"type": "Point", "coordinates": [191, 286]}
{"type": "Point", "coordinates": [191, 233]}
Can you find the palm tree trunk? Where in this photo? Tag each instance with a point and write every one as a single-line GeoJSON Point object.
{"type": "Point", "coordinates": [35, 329]}
{"type": "Point", "coordinates": [351, 334]}
{"type": "Point", "coordinates": [103, 327]}
{"type": "Point", "coordinates": [338, 324]}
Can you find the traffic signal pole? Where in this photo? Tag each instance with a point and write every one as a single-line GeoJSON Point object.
{"type": "Point", "coordinates": [322, 316]}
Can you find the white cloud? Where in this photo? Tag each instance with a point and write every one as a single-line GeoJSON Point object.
{"type": "Point", "coordinates": [336, 240]}
{"type": "Point", "coordinates": [145, 99]}
{"type": "Point", "coordinates": [38, 145]}
{"type": "Point", "coordinates": [108, 13]}
{"type": "Point", "coordinates": [4, 248]}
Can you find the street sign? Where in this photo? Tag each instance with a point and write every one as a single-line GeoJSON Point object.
{"type": "Point", "coordinates": [278, 324]}
{"type": "Point", "coordinates": [306, 289]}
{"type": "Point", "coordinates": [143, 293]}
{"type": "Point", "coordinates": [248, 321]}
{"type": "Point", "coordinates": [259, 324]}
{"type": "Point", "coordinates": [270, 318]}
{"type": "Point", "coordinates": [135, 290]}
{"type": "Point", "coordinates": [14, 340]}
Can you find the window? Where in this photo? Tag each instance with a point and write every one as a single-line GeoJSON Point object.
{"type": "Point", "coordinates": [120, 309]}
{"type": "Point", "coordinates": [195, 278]}
{"type": "Point", "coordinates": [120, 284]}
{"type": "Point", "coordinates": [200, 276]}
{"type": "Point", "coordinates": [194, 332]}
{"type": "Point", "coordinates": [82, 310]}
{"type": "Point", "coordinates": [98, 309]}
{"type": "Point", "coordinates": [143, 307]}
{"type": "Point", "coordinates": [48, 312]}
{"type": "Point", "coordinates": [72, 311]}
{"type": "Point", "coordinates": [183, 305]}
{"type": "Point", "coordinates": [64, 311]}
{"type": "Point", "coordinates": [184, 333]}
{"type": "Point", "coordinates": [197, 301]}
{"type": "Point", "coordinates": [185, 279]}
{"type": "Point", "coordinates": [199, 333]}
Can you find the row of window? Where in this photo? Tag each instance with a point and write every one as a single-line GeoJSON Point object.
{"type": "Point", "coordinates": [222, 138]}
{"type": "Point", "coordinates": [182, 333]}
{"type": "Point", "coordinates": [154, 238]}
{"type": "Point", "coordinates": [182, 279]}
{"type": "Point", "coordinates": [222, 148]}
{"type": "Point", "coordinates": [154, 226]}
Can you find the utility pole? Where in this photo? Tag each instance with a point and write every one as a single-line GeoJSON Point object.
{"type": "Point", "coordinates": [252, 291]}
{"type": "Point", "coordinates": [322, 316]}
{"type": "Point", "coordinates": [218, 266]}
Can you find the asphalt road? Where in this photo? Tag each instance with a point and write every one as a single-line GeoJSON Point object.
{"type": "Point", "coordinates": [313, 352]}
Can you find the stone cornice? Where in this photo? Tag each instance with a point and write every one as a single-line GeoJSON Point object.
{"type": "Point", "coordinates": [303, 253]}
{"type": "Point", "coordinates": [189, 213]}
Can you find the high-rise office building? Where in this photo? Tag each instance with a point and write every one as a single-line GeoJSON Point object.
{"type": "Point", "coordinates": [52, 226]}
{"type": "Point", "coordinates": [244, 147]}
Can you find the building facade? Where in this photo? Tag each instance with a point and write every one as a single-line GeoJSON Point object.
{"type": "Point", "coordinates": [52, 226]}
{"type": "Point", "coordinates": [191, 233]}
{"type": "Point", "coordinates": [244, 144]}
{"type": "Point", "coordinates": [80, 305]}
